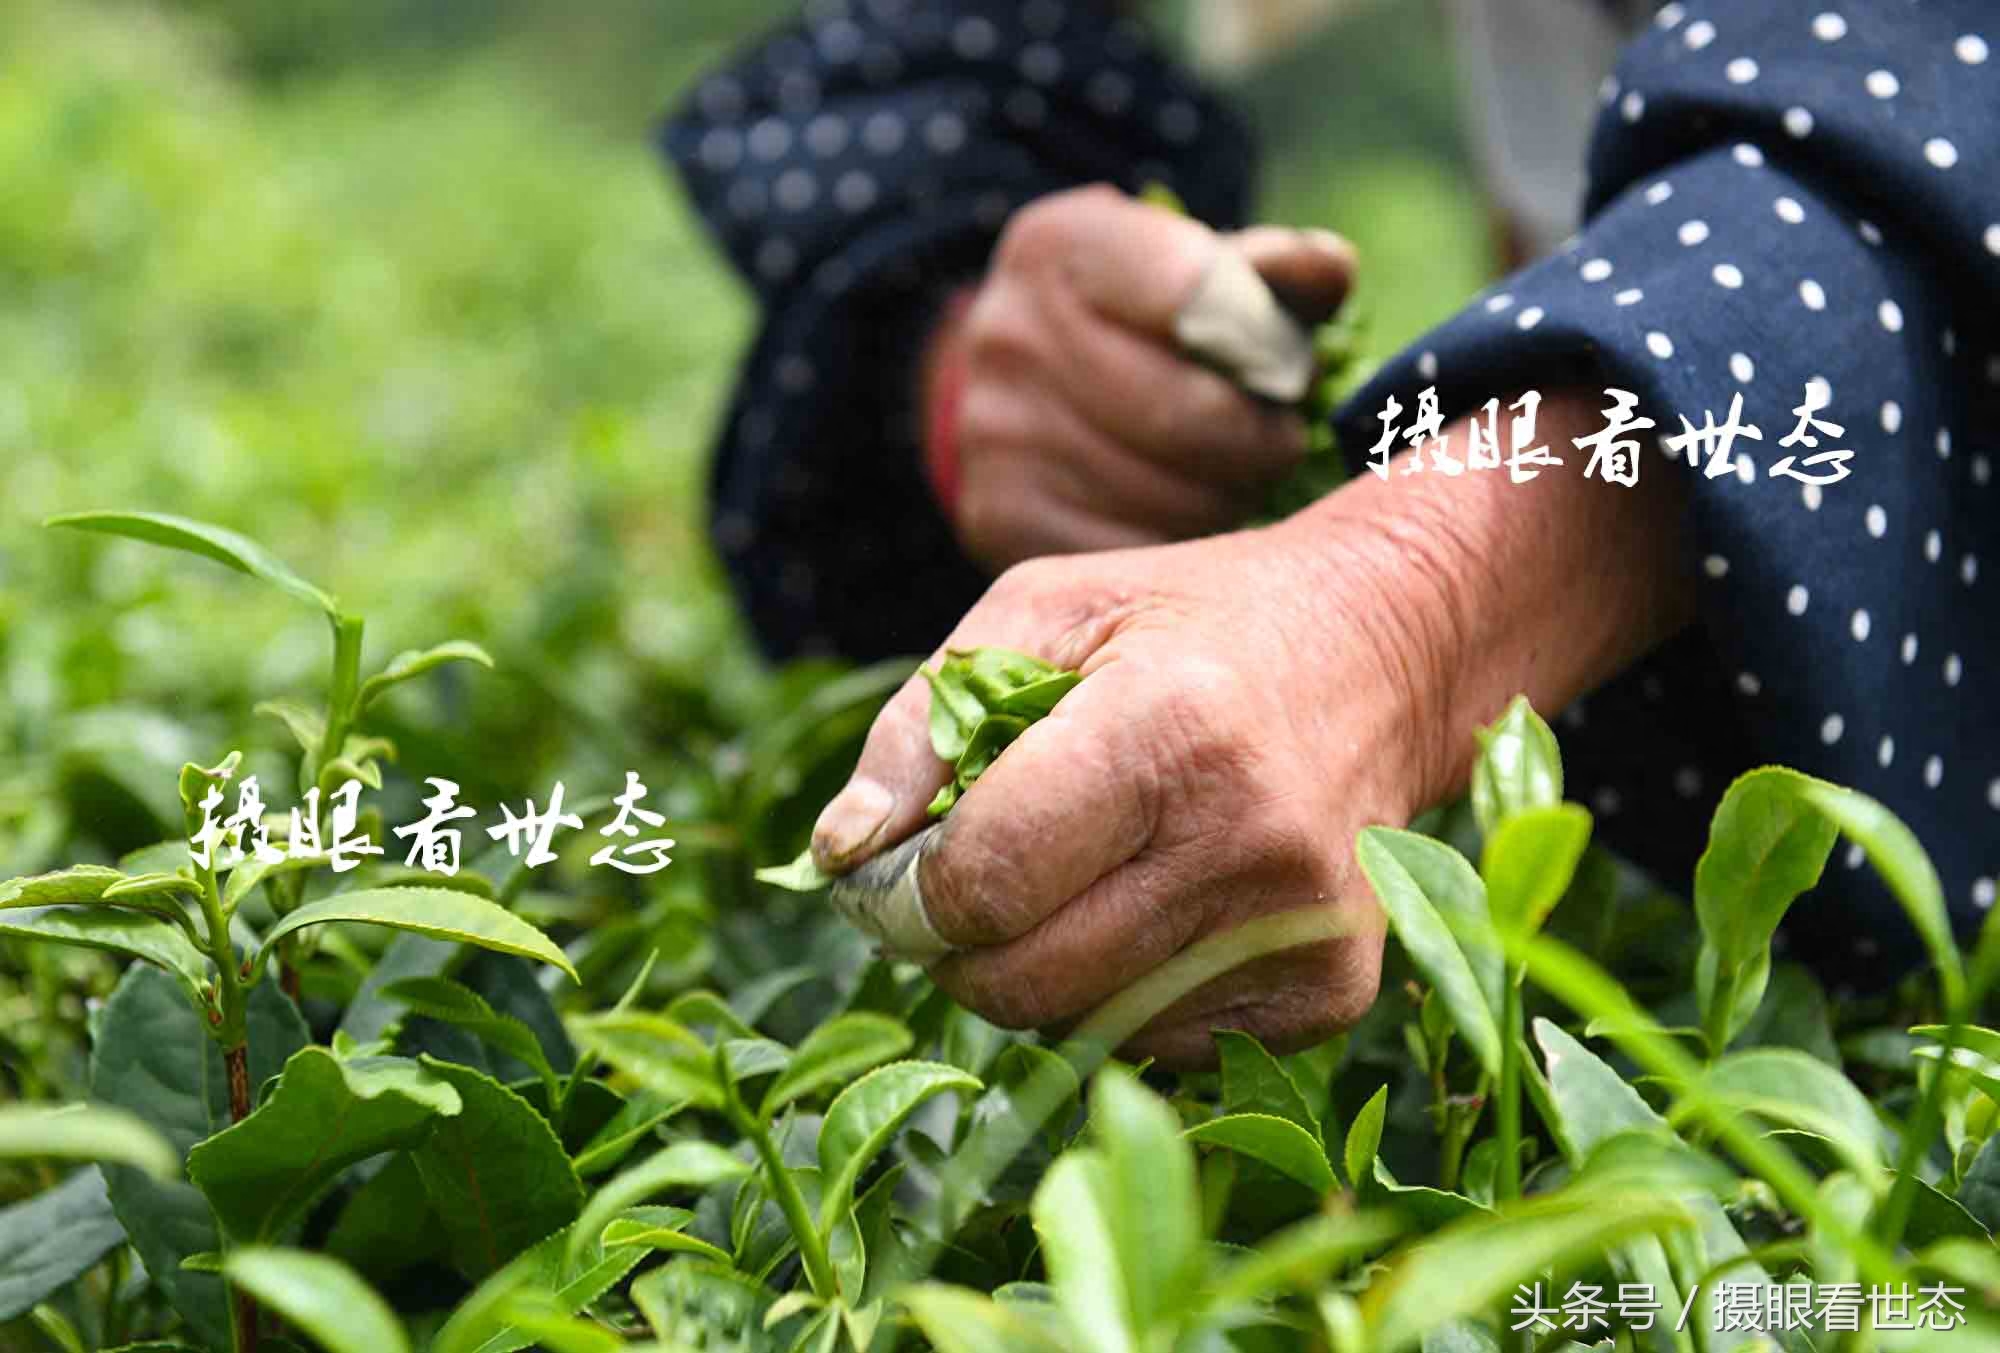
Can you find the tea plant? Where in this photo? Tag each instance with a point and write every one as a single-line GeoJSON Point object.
{"type": "Point", "coordinates": [836, 1159]}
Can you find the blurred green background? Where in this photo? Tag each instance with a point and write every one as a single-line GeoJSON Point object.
{"type": "Point", "coordinates": [400, 289]}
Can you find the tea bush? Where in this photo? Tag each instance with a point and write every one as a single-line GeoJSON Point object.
{"type": "Point", "coordinates": [463, 358]}
{"type": "Point", "coordinates": [491, 1133]}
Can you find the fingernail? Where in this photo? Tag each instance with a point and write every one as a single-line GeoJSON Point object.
{"type": "Point", "coordinates": [848, 824]}
{"type": "Point", "coordinates": [1329, 242]}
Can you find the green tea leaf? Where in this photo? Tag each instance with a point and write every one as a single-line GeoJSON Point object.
{"type": "Point", "coordinates": [1154, 193]}
{"type": "Point", "coordinates": [413, 663]}
{"type": "Point", "coordinates": [162, 857]}
{"type": "Point", "coordinates": [1037, 699]}
{"type": "Point", "coordinates": [1971, 1037]}
{"type": "Point", "coordinates": [1364, 1139]}
{"type": "Point", "coordinates": [1981, 1071]}
{"type": "Point", "coordinates": [1718, 1252]}
{"type": "Point", "coordinates": [440, 913]}
{"type": "Point", "coordinates": [1398, 865]}
{"type": "Point", "coordinates": [1529, 861]}
{"type": "Point", "coordinates": [566, 1282]}
{"type": "Point", "coordinates": [1789, 1087]}
{"type": "Point", "coordinates": [537, 1319]}
{"type": "Point", "coordinates": [369, 1016]}
{"type": "Point", "coordinates": [1766, 845]}
{"type": "Point", "coordinates": [835, 1053]}
{"type": "Point", "coordinates": [323, 1116]}
{"type": "Point", "coordinates": [1519, 767]}
{"type": "Point", "coordinates": [153, 1058]}
{"type": "Point", "coordinates": [635, 1121]}
{"type": "Point", "coordinates": [800, 876]}
{"type": "Point", "coordinates": [1595, 1102]}
{"type": "Point", "coordinates": [693, 1165]}
{"type": "Point", "coordinates": [981, 700]}
{"type": "Point", "coordinates": [1154, 1199]}
{"type": "Point", "coordinates": [1975, 1264]}
{"type": "Point", "coordinates": [996, 674]}
{"type": "Point", "coordinates": [306, 724]}
{"type": "Point", "coordinates": [1253, 1081]}
{"type": "Point", "coordinates": [212, 542]}
{"type": "Point", "coordinates": [497, 1176]}
{"type": "Point", "coordinates": [1034, 1082]}
{"type": "Point", "coordinates": [458, 1005]}
{"type": "Point", "coordinates": [690, 1304]}
{"type": "Point", "coordinates": [1420, 1207]}
{"type": "Point", "coordinates": [253, 871]}
{"type": "Point", "coordinates": [133, 933]}
{"type": "Point", "coordinates": [865, 1116]}
{"type": "Point", "coordinates": [958, 1320]}
{"type": "Point", "coordinates": [85, 1132]}
{"type": "Point", "coordinates": [1937, 1216]}
{"type": "Point", "coordinates": [1467, 1267]}
{"type": "Point", "coordinates": [340, 769]}
{"type": "Point", "coordinates": [1647, 1159]}
{"type": "Point", "coordinates": [955, 711]}
{"type": "Point", "coordinates": [47, 1241]}
{"type": "Point", "coordinates": [1302, 1256]}
{"type": "Point", "coordinates": [996, 732]}
{"type": "Point", "coordinates": [655, 1234]}
{"type": "Point", "coordinates": [388, 1226]}
{"type": "Point", "coordinates": [1896, 854]}
{"type": "Point", "coordinates": [1080, 1246]}
{"type": "Point", "coordinates": [1278, 1142]}
{"type": "Point", "coordinates": [81, 883]}
{"type": "Point", "coordinates": [152, 891]}
{"type": "Point", "coordinates": [694, 1008]}
{"type": "Point", "coordinates": [661, 1055]}
{"type": "Point", "coordinates": [321, 1296]}
{"type": "Point", "coordinates": [740, 1060]}
{"type": "Point", "coordinates": [1979, 1190]}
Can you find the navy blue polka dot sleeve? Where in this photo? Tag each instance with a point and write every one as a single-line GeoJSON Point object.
{"type": "Point", "coordinates": [1797, 203]}
{"type": "Point", "coordinates": [854, 166]}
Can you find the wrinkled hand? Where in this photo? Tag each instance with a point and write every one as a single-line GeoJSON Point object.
{"type": "Point", "coordinates": [1249, 701]}
{"type": "Point", "coordinates": [1081, 425]}
{"type": "Point", "coordinates": [1212, 766]}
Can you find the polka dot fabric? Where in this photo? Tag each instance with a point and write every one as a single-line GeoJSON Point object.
{"type": "Point", "coordinates": [1785, 194]}
{"type": "Point", "coordinates": [856, 166]}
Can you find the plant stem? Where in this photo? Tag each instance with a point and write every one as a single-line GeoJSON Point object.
{"type": "Point", "coordinates": [1507, 1107]}
{"type": "Point", "coordinates": [113, 1325]}
{"type": "Point", "coordinates": [990, 1145]}
{"type": "Point", "coordinates": [237, 1059]}
{"type": "Point", "coordinates": [785, 1189]}
{"type": "Point", "coordinates": [1458, 1133]}
{"type": "Point", "coordinates": [233, 1029]}
{"type": "Point", "coordinates": [230, 1026]}
{"type": "Point", "coordinates": [1917, 1136]}
{"type": "Point", "coordinates": [1715, 1023]}
{"type": "Point", "coordinates": [340, 695]}
{"type": "Point", "coordinates": [1587, 989]}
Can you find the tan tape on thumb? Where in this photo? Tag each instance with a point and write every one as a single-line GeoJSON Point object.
{"type": "Point", "coordinates": [1235, 321]}
{"type": "Point", "coordinates": [884, 900]}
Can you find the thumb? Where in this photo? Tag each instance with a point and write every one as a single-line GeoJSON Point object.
{"type": "Point", "coordinates": [893, 784]}
{"type": "Point", "coordinates": [1310, 270]}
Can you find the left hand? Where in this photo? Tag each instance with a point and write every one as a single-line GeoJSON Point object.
{"type": "Point", "coordinates": [1080, 423]}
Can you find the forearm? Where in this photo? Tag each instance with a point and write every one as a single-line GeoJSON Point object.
{"type": "Point", "coordinates": [1547, 588]}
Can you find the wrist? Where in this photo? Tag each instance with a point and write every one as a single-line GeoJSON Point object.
{"type": "Point", "coordinates": [1491, 588]}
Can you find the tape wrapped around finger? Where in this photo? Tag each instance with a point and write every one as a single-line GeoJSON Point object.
{"type": "Point", "coordinates": [1236, 321]}
{"type": "Point", "coordinates": [884, 899]}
